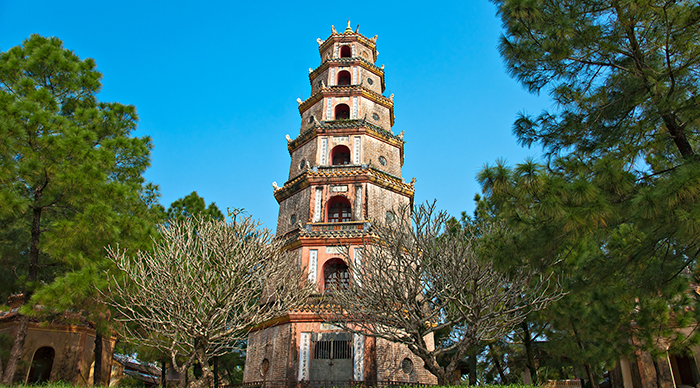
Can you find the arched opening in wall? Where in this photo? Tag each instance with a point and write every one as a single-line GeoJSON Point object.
{"type": "Point", "coordinates": [42, 363]}
{"type": "Point", "coordinates": [342, 112]}
{"type": "Point", "coordinates": [340, 155]}
{"type": "Point", "coordinates": [345, 51]}
{"type": "Point", "coordinates": [339, 210]}
{"type": "Point", "coordinates": [344, 78]}
{"type": "Point", "coordinates": [335, 275]}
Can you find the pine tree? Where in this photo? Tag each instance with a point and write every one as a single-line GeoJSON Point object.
{"type": "Point", "coordinates": [70, 177]}
{"type": "Point", "coordinates": [615, 207]}
{"type": "Point", "coordinates": [193, 205]}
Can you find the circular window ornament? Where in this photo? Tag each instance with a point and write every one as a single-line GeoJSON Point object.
{"type": "Point", "coordinates": [370, 81]}
{"type": "Point", "coordinates": [264, 367]}
{"type": "Point", "coordinates": [407, 366]}
{"type": "Point", "coordinates": [382, 161]}
{"type": "Point", "coordinates": [302, 164]}
{"type": "Point", "coordinates": [292, 219]}
{"type": "Point", "coordinates": [375, 116]}
{"type": "Point", "coordinates": [390, 217]}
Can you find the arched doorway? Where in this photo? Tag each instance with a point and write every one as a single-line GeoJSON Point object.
{"type": "Point", "coordinates": [42, 363]}
{"type": "Point", "coordinates": [345, 51]}
{"type": "Point", "coordinates": [344, 78]}
{"type": "Point", "coordinates": [340, 155]}
{"type": "Point", "coordinates": [339, 210]}
{"type": "Point", "coordinates": [342, 112]}
{"type": "Point", "coordinates": [335, 275]}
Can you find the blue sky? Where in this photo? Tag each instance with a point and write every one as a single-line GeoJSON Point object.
{"type": "Point", "coordinates": [216, 83]}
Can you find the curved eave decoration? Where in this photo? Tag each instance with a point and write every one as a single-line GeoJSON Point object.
{"type": "Point", "coordinates": [329, 175]}
{"type": "Point", "coordinates": [343, 37]}
{"type": "Point", "coordinates": [378, 71]}
{"type": "Point", "coordinates": [337, 127]}
{"type": "Point", "coordinates": [355, 90]}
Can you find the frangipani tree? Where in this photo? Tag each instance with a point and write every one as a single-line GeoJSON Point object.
{"type": "Point", "coordinates": [203, 286]}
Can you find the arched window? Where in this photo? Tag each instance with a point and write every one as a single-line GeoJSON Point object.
{"type": "Point", "coordinates": [344, 78]}
{"type": "Point", "coordinates": [345, 51]}
{"type": "Point", "coordinates": [42, 363]}
{"type": "Point", "coordinates": [339, 210]}
{"type": "Point", "coordinates": [342, 112]}
{"type": "Point", "coordinates": [340, 155]}
{"type": "Point", "coordinates": [335, 275]}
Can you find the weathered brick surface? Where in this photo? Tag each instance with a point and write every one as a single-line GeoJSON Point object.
{"type": "Point", "coordinates": [374, 148]}
{"type": "Point", "coordinates": [273, 344]}
{"type": "Point", "coordinates": [316, 82]}
{"type": "Point", "coordinates": [389, 364]}
{"type": "Point", "coordinates": [364, 75]}
{"type": "Point", "coordinates": [380, 201]}
{"type": "Point", "coordinates": [316, 110]}
{"type": "Point", "coordinates": [297, 204]}
{"type": "Point", "coordinates": [308, 153]}
{"type": "Point", "coordinates": [369, 107]}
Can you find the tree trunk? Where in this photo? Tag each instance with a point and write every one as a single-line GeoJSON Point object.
{"type": "Point", "coordinates": [472, 366]}
{"type": "Point", "coordinates": [586, 366]}
{"type": "Point", "coordinates": [163, 374]}
{"type": "Point", "coordinates": [529, 352]}
{"type": "Point", "coordinates": [21, 334]}
{"type": "Point", "coordinates": [589, 372]}
{"type": "Point", "coordinates": [216, 372]}
{"type": "Point", "coordinates": [97, 371]}
{"type": "Point", "coordinates": [182, 378]}
{"type": "Point", "coordinates": [497, 364]}
{"type": "Point", "coordinates": [16, 351]}
{"type": "Point", "coordinates": [207, 378]}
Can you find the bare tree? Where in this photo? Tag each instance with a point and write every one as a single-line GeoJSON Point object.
{"type": "Point", "coordinates": [204, 285]}
{"type": "Point", "coordinates": [416, 278]}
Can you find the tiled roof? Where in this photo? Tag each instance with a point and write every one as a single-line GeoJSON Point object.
{"type": "Point", "coordinates": [369, 94]}
{"type": "Point", "coordinates": [347, 61]}
{"type": "Point", "coordinates": [322, 126]}
{"type": "Point", "coordinates": [373, 175]}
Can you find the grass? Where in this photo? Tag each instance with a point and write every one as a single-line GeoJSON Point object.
{"type": "Point", "coordinates": [66, 385]}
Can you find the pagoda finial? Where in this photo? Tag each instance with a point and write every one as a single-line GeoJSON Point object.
{"type": "Point", "coordinates": [348, 29]}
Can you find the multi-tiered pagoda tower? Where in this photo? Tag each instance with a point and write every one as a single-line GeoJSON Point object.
{"type": "Point", "coordinates": [345, 172]}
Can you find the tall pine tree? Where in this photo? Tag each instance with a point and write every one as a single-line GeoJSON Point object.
{"type": "Point", "coordinates": [615, 206]}
{"type": "Point", "coordinates": [70, 177]}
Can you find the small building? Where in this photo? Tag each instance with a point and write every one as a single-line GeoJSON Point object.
{"type": "Point", "coordinates": [60, 350]}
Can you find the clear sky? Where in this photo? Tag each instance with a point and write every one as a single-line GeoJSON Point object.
{"type": "Point", "coordinates": [216, 83]}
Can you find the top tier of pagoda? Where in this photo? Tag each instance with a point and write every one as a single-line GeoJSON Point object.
{"type": "Point", "coordinates": [348, 73]}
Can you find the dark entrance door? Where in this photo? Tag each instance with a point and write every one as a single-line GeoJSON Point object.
{"type": "Point", "coordinates": [331, 359]}
{"type": "Point", "coordinates": [42, 362]}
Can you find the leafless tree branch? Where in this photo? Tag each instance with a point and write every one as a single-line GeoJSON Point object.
{"type": "Point", "coordinates": [417, 277]}
{"type": "Point", "coordinates": [201, 289]}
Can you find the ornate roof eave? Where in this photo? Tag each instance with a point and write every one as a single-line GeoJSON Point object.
{"type": "Point", "coordinates": [339, 36]}
{"type": "Point", "coordinates": [320, 127]}
{"type": "Point", "coordinates": [363, 173]}
{"type": "Point", "coordinates": [376, 70]}
{"type": "Point", "coordinates": [301, 237]}
{"type": "Point", "coordinates": [333, 91]}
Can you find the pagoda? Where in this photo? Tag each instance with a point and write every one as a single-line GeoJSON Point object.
{"type": "Point", "coordinates": [345, 172]}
